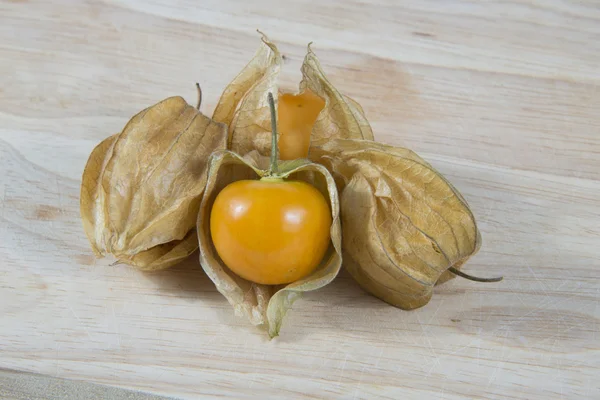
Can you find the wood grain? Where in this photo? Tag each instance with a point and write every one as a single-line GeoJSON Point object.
{"type": "Point", "coordinates": [17, 385]}
{"type": "Point", "coordinates": [501, 96]}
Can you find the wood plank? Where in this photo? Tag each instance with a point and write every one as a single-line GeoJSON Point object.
{"type": "Point", "coordinates": [15, 385]}
{"type": "Point", "coordinates": [502, 97]}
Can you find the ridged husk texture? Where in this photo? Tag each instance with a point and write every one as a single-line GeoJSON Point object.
{"type": "Point", "coordinates": [403, 223]}
{"type": "Point", "coordinates": [147, 193]}
{"type": "Point", "coordinates": [141, 189]}
{"type": "Point", "coordinates": [265, 305]}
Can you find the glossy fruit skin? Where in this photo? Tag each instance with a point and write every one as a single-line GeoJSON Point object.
{"type": "Point", "coordinates": [270, 232]}
{"type": "Point", "coordinates": [296, 115]}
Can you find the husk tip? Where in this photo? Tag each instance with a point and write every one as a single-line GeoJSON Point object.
{"type": "Point", "coordinates": [265, 39]}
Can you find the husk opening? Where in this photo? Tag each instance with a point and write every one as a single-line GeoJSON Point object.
{"type": "Point", "coordinates": [264, 305]}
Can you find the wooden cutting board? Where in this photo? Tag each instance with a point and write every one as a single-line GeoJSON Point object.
{"type": "Point", "coordinates": [501, 97]}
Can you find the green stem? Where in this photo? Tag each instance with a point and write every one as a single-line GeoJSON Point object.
{"type": "Point", "coordinates": [274, 169]}
{"type": "Point", "coordinates": [473, 278]}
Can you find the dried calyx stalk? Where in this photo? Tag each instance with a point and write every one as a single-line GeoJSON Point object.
{"type": "Point", "coordinates": [406, 228]}
{"type": "Point", "coordinates": [141, 189]}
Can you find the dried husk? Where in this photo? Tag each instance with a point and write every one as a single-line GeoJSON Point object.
{"type": "Point", "coordinates": [243, 105]}
{"type": "Point", "coordinates": [264, 305]}
{"type": "Point", "coordinates": [141, 189]}
{"type": "Point", "coordinates": [342, 117]}
{"type": "Point", "coordinates": [403, 223]}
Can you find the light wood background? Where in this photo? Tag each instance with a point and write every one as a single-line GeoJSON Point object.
{"type": "Point", "coordinates": [501, 96]}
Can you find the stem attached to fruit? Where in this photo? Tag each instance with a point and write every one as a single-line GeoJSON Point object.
{"type": "Point", "coordinates": [473, 278]}
{"type": "Point", "coordinates": [274, 169]}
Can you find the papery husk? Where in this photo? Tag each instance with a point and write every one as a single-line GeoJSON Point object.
{"type": "Point", "coordinates": [244, 108]}
{"type": "Point", "coordinates": [342, 117]}
{"type": "Point", "coordinates": [403, 223]}
{"type": "Point", "coordinates": [141, 189]}
{"type": "Point", "coordinates": [265, 305]}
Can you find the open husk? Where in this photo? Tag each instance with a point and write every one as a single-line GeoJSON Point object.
{"type": "Point", "coordinates": [243, 105]}
{"type": "Point", "coordinates": [264, 305]}
{"type": "Point", "coordinates": [403, 223]}
{"type": "Point", "coordinates": [141, 189]}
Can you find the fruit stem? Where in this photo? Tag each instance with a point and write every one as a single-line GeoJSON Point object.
{"type": "Point", "coordinates": [473, 278]}
{"type": "Point", "coordinates": [274, 169]}
{"type": "Point", "coordinates": [199, 96]}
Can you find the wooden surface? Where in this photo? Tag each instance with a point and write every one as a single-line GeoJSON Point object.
{"type": "Point", "coordinates": [502, 97]}
{"type": "Point", "coordinates": [18, 385]}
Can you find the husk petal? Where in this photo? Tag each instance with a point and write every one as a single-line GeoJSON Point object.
{"type": "Point", "coordinates": [264, 304]}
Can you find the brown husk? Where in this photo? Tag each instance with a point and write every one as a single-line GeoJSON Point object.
{"type": "Point", "coordinates": [342, 117]}
{"type": "Point", "coordinates": [264, 305]}
{"type": "Point", "coordinates": [147, 193]}
{"type": "Point", "coordinates": [403, 223]}
{"type": "Point", "coordinates": [141, 189]}
{"type": "Point", "coordinates": [243, 106]}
